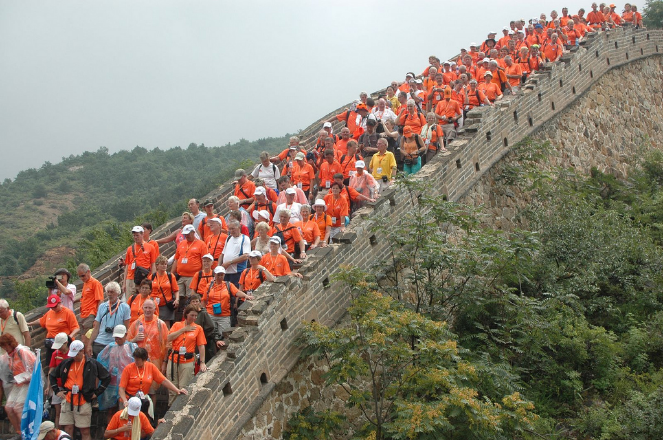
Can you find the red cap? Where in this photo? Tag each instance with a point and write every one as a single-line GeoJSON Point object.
{"type": "Point", "coordinates": [53, 300]}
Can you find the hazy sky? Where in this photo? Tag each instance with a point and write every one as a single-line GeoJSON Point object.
{"type": "Point", "coordinates": [77, 75]}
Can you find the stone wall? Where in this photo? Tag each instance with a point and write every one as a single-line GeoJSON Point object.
{"type": "Point", "coordinates": [582, 137]}
{"type": "Point", "coordinates": [262, 352]}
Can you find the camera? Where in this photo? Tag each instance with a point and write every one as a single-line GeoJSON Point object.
{"type": "Point", "coordinates": [108, 329]}
{"type": "Point", "coordinates": [50, 282]}
{"type": "Point", "coordinates": [385, 179]}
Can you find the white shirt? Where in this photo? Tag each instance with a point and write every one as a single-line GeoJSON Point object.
{"type": "Point", "coordinates": [385, 114]}
{"type": "Point", "coordinates": [268, 174]}
{"type": "Point", "coordinates": [295, 211]}
{"type": "Point", "coordinates": [233, 249]}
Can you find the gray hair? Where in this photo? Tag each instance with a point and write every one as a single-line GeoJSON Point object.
{"type": "Point", "coordinates": [234, 224]}
{"type": "Point", "coordinates": [83, 267]}
{"type": "Point", "coordinates": [264, 155]}
{"type": "Point", "coordinates": [233, 199]}
{"type": "Point", "coordinates": [294, 138]}
{"type": "Point", "coordinates": [113, 286]}
{"type": "Point", "coordinates": [4, 304]}
{"type": "Point", "coordinates": [284, 211]}
{"type": "Point", "coordinates": [410, 102]}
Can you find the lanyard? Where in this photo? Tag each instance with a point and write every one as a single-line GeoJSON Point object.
{"type": "Point", "coordinates": [110, 311]}
{"type": "Point", "coordinates": [216, 243]}
{"type": "Point", "coordinates": [4, 323]}
{"type": "Point", "coordinates": [79, 365]}
{"type": "Point", "coordinates": [140, 376]}
{"type": "Point", "coordinates": [188, 247]}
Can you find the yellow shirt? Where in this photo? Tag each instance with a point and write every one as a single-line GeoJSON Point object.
{"type": "Point", "coordinates": [381, 165]}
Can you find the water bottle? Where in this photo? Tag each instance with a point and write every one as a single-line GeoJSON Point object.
{"type": "Point", "coordinates": [140, 327]}
{"type": "Point", "coordinates": [47, 411]}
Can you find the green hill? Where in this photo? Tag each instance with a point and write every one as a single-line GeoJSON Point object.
{"type": "Point", "coordinates": [76, 210]}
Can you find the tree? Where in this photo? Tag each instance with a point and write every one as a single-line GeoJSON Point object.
{"type": "Point", "coordinates": [652, 15]}
{"type": "Point", "coordinates": [422, 390]}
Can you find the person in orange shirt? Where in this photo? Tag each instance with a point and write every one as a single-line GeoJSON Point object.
{"type": "Point", "coordinates": [489, 88]}
{"type": "Point", "coordinates": [337, 208]}
{"type": "Point", "coordinates": [475, 97]}
{"type": "Point", "coordinates": [302, 172]}
{"type": "Point", "coordinates": [78, 380]}
{"type": "Point", "coordinates": [349, 116]}
{"type": "Point", "coordinates": [203, 277]}
{"type": "Point", "coordinates": [341, 145]}
{"type": "Point", "coordinates": [328, 168]}
{"type": "Point", "coordinates": [437, 91]}
{"type": "Point", "coordinates": [274, 261]}
{"type": "Point", "coordinates": [151, 333]}
{"type": "Point", "coordinates": [514, 73]}
{"type": "Point", "coordinates": [293, 147]}
{"type": "Point", "coordinates": [136, 301]}
{"type": "Point", "coordinates": [323, 220]}
{"type": "Point", "coordinates": [412, 117]}
{"type": "Point", "coordinates": [123, 422]}
{"type": "Point", "coordinates": [189, 258]}
{"type": "Point", "coordinates": [57, 319]}
{"type": "Point", "coordinates": [138, 262]}
{"type": "Point", "coordinates": [255, 274]}
{"type": "Point", "coordinates": [186, 337]}
{"type": "Point", "coordinates": [637, 17]}
{"type": "Point", "coordinates": [595, 19]}
{"type": "Point", "coordinates": [434, 62]}
{"type": "Point", "coordinates": [489, 43]}
{"type": "Point", "coordinates": [448, 74]}
{"type": "Point", "coordinates": [348, 160]}
{"type": "Point", "coordinates": [216, 240]}
{"type": "Point", "coordinates": [292, 239]}
{"type": "Point", "coordinates": [165, 290]}
{"type": "Point", "coordinates": [614, 16]}
{"type": "Point", "coordinates": [552, 50]}
{"type": "Point", "coordinates": [308, 228]}
{"type": "Point", "coordinates": [573, 37]}
{"type": "Point", "coordinates": [448, 112]}
{"type": "Point", "coordinates": [139, 376]}
{"type": "Point", "coordinates": [92, 295]}
{"type": "Point", "coordinates": [504, 41]}
{"type": "Point", "coordinates": [244, 188]}
{"type": "Point", "coordinates": [218, 302]}
{"type": "Point", "coordinates": [203, 226]}
{"type": "Point", "coordinates": [262, 203]}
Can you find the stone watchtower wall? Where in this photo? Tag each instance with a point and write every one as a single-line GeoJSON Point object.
{"type": "Point", "coordinates": [263, 350]}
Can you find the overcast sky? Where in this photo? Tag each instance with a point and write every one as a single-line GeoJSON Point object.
{"type": "Point", "coordinates": [77, 75]}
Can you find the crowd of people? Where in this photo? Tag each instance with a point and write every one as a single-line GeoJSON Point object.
{"type": "Point", "coordinates": [167, 317]}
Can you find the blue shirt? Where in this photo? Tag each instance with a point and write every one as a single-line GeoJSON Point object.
{"type": "Point", "coordinates": [106, 319]}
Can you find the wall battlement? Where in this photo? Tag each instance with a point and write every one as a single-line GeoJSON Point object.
{"type": "Point", "coordinates": [263, 350]}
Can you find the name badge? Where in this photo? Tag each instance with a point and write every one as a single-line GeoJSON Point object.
{"type": "Point", "coordinates": [379, 170]}
{"type": "Point", "coordinates": [333, 220]}
{"type": "Point", "coordinates": [133, 265]}
{"type": "Point", "coordinates": [327, 184]}
{"type": "Point", "coordinates": [299, 185]}
{"type": "Point", "coordinates": [140, 395]}
{"type": "Point", "coordinates": [74, 389]}
{"type": "Point", "coordinates": [182, 350]}
{"type": "Point", "coordinates": [184, 260]}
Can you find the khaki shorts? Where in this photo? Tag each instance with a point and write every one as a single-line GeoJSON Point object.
{"type": "Point", "coordinates": [80, 417]}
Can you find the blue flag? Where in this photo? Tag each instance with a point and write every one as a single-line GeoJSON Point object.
{"type": "Point", "coordinates": [34, 404]}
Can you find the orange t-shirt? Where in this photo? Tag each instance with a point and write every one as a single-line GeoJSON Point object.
{"type": "Point", "coordinates": [136, 379]}
{"type": "Point", "coordinates": [290, 234]}
{"type": "Point", "coordinates": [277, 266]}
{"type": "Point", "coordinates": [54, 322]}
{"type": "Point", "coordinates": [350, 119]}
{"type": "Point", "coordinates": [190, 340]}
{"type": "Point", "coordinates": [309, 230]}
{"type": "Point", "coordinates": [136, 305]}
{"type": "Point", "coordinates": [491, 90]}
{"type": "Point", "coordinates": [322, 222]}
{"type": "Point", "coordinates": [251, 279]}
{"type": "Point", "coordinates": [435, 132]}
{"type": "Point", "coordinates": [245, 191]}
{"type": "Point", "coordinates": [595, 19]}
{"type": "Point", "coordinates": [219, 294]}
{"type": "Point", "coordinates": [302, 175]}
{"type": "Point", "coordinates": [327, 172]}
{"type": "Point", "coordinates": [337, 209]}
{"type": "Point", "coordinates": [348, 163]}
{"type": "Point", "coordinates": [215, 245]}
{"type": "Point", "coordinates": [165, 284]}
{"type": "Point", "coordinates": [415, 121]}
{"type": "Point", "coordinates": [75, 377]}
{"type": "Point", "coordinates": [91, 296]}
{"type": "Point", "coordinates": [514, 69]}
{"type": "Point", "coordinates": [189, 256]}
{"type": "Point", "coordinates": [450, 108]}
{"type": "Point", "coordinates": [145, 256]}
{"type": "Point", "coordinates": [552, 51]}
{"type": "Point", "coordinates": [116, 423]}
{"type": "Point", "coordinates": [203, 226]}
{"type": "Point", "coordinates": [200, 283]}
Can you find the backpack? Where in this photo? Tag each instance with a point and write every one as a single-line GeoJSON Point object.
{"type": "Point", "coordinates": [281, 234]}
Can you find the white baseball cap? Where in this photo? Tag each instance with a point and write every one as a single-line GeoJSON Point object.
{"type": "Point", "coordinates": [137, 229]}
{"type": "Point", "coordinates": [60, 340]}
{"type": "Point", "coordinates": [255, 254]}
{"type": "Point", "coordinates": [219, 269]}
{"type": "Point", "coordinates": [208, 256]}
{"type": "Point", "coordinates": [358, 164]}
{"type": "Point", "coordinates": [134, 406]}
{"type": "Point", "coordinates": [260, 191]}
{"type": "Point", "coordinates": [119, 331]}
{"type": "Point", "coordinates": [75, 348]}
{"type": "Point", "coordinates": [188, 229]}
